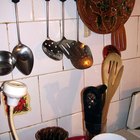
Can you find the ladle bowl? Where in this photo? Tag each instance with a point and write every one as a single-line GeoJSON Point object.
{"type": "Point", "coordinates": [82, 58]}
{"type": "Point", "coordinates": [7, 62]}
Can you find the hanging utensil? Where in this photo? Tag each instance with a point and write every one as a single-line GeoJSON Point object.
{"type": "Point", "coordinates": [50, 47]}
{"type": "Point", "coordinates": [63, 43]}
{"type": "Point", "coordinates": [118, 38]}
{"type": "Point", "coordinates": [112, 70]}
{"type": "Point", "coordinates": [81, 53]}
{"type": "Point", "coordinates": [104, 16]}
{"type": "Point", "coordinates": [21, 52]}
{"type": "Point", "coordinates": [7, 62]}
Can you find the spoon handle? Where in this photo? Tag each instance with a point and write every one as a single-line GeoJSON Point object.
{"type": "Point", "coordinates": [17, 22]}
{"type": "Point", "coordinates": [63, 24]}
{"type": "Point", "coordinates": [47, 17]}
{"type": "Point", "coordinates": [17, 19]}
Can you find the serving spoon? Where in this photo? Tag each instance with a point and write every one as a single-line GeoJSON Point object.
{"type": "Point", "coordinates": [21, 52]}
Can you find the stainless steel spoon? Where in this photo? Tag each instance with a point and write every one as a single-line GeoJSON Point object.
{"type": "Point", "coordinates": [21, 52]}
{"type": "Point", "coordinates": [50, 47]}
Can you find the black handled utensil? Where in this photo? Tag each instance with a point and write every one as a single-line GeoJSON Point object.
{"type": "Point", "coordinates": [93, 102]}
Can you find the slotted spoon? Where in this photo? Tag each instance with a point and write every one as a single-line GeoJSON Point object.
{"type": "Point", "coordinates": [49, 46]}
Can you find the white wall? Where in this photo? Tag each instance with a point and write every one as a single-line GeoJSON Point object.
{"type": "Point", "coordinates": [55, 86]}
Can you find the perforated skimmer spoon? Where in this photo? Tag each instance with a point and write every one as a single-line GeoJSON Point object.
{"type": "Point", "coordinates": [49, 46]}
{"type": "Point", "coordinates": [21, 52]}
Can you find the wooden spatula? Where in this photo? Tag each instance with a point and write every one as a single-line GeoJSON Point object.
{"type": "Point", "coordinates": [112, 70]}
{"type": "Point", "coordinates": [118, 38]}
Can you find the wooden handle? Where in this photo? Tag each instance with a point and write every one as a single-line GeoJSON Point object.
{"type": "Point", "coordinates": [110, 93]}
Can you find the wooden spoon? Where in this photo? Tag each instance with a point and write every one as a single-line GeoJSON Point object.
{"type": "Point", "coordinates": [112, 70]}
{"type": "Point", "coordinates": [118, 38]}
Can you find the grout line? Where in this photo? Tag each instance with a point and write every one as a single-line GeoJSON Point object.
{"type": "Point", "coordinates": [33, 13]}
{"type": "Point", "coordinates": [40, 20]}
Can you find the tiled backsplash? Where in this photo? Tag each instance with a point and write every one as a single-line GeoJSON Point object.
{"type": "Point", "coordinates": [55, 86]}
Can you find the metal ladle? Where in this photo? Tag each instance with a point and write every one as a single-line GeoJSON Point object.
{"type": "Point", "coordinates": [50, 47]}
{"type": "Point", "coordinates": [21, 52]}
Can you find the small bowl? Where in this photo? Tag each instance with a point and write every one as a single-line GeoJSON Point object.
{"type": "Point", "coordinates": [108, 136]}
{"type": "Point", "coordinates": [51, 133]}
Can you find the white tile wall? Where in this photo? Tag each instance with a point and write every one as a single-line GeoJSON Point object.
{"type": "Point", "coordinates": [7, 11]}
{"type": "Point", "coordinates": [60, 93]}
{"type": "Point", "coordinates": [5, 136]}
{"type": "Point", "coordinates": [73, 124]}
{"type": "Point", "coordinates": [129, 82]}
{"type": "Point", "coordinates": [55, 86]}
{"type": "Point", "coordinates": [131, 36]}
{"type": "Point", "coordinates": [136, 10]}
{"type": "Point", "coordinates": [117, 115]}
